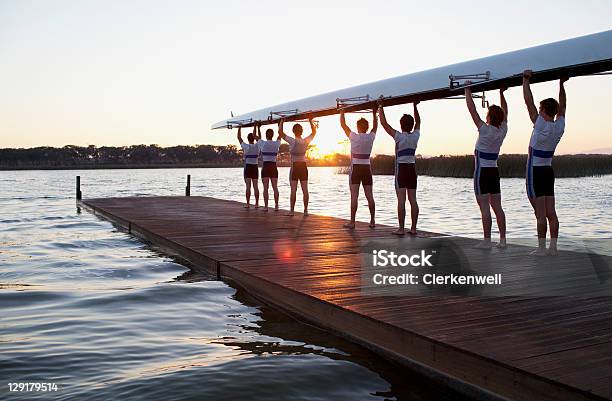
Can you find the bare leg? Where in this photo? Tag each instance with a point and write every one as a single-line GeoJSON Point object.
{"type": "Point", "coordinates": [414, 210]}
{"type": "Point", "coordinates": [306, 195]}
{"type": "Point", "coordinates": [247, 182]}
{"type": "Point", "coordinates": [256, 189]}
{"type": "Point", "coordinates": [500, 217]}
{"type": "Point", "coordinates": [540, 212]}
{"type": "Point", "coordinates": [485, 213]}
{"type": "Point", "coordinates": [367, 189]}
{"type": "Point", "coordinates": [401, 210]}
{"type": "Point", "coordinates": [266, 185]}
{"type": "Point", "coordinates": [553, 223]}
{"type": "Point", "coordinates": [275, 189]}
{"type": "Point", "coordinates": [354, 188]}
{"type": "Point", "coordinates": [292, 197]}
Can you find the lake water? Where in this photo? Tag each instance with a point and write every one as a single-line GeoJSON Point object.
{"type": "Point", "coordinates": [107, 317]}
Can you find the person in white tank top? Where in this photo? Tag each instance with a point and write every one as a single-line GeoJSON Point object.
{"type": "Point", "coordinates": [251, 169]}
{"type": "Point", "coordinates": [269, 172]}
{"type": "Point", "coordinates": [299, 170]}
{"type": "Point", "coordinates": [487, 189]}
{"type": "Point", "coordinates": [406, 143]}
{"type": "Point", "coordinates": [360, 172]}
{"type": "Point", "coordinates": [540, 177]}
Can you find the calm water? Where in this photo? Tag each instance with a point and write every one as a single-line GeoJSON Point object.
{"type": "Point", "coordinates": [107, 317]}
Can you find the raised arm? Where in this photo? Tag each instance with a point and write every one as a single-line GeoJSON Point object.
{"type": "Point", "coordinates": [417, 116]}
{"type": "Point", "coordinates": [384, 123]}
{"type": "Point", "coordinates": [240, 135]}
{"type": "Point", "coordinates": [255, 137]}
{"type": "Point", "coordinates": [374, 121]}
{"type": "Point", "coordinates": [562, 97]}
{"type": "Point", "coordinates": [471, 106]}
{"type": "Point", "coordinates": [281, 133]}
{"type": "Point", "coordinates": [313, 129]}
{"type": "Point", "coordinates": [504, 104]}
{"type": "Point", "coordinates": [528, 96]}
{"type": "Point", "coordinates": [258, 134]}
{"type": "Point", "coordinates": [345, 127]}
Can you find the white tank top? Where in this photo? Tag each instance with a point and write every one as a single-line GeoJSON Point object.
{"type": "Point", "coordinates": [251, 152]}
{"type": "Point", "coordinates": [298, 147]}
{"type": "Point", "coordinates": [488, 144]}
{"type": "Point", "coordinates": [361, 147]}
{"type": "Point", "coordinates": [269, 150]}
{"type": "Point", "coordinates": [544, 140]}
{"type": "Point", "coordinates": [406, 145]}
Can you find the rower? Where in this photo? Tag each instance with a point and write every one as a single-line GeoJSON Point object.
{"type": "Point", "coordinates": [487, 188]}
{"type": "Point", "coordinates": [269, 172]}
{"type": "Point", "coordinates": [299, 169]}
{"type": "Point", "coordinates": [360, 171]}
{"type": "Point", "coordinates": [251, 170]}
{"type": "Point", "coordinates": [540, 177]}
{"type": "Point", "coordinates": [406, 143]}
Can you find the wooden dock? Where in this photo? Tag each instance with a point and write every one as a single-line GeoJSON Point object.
{"type": "Point", "coordinates": [520, 348]}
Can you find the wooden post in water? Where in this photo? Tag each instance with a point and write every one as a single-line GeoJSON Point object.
{"type": "Point", "coordinates": [79, 195]}
{"type": "Point", "coordinates": [188, 187]}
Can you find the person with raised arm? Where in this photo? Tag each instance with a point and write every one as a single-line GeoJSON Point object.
{"type": "Point", "coordinates": [491, 135]}
{"type": "Point", "coordinates": [360, 171]}
{"type": "Point", "coordinates": [299, 170]}
{"type": "Point", "coordinates": [406, 143]}
{"type": "Point", "coordinates": [251, 170]}
{"type": "Point", "coordinates": [548, 128]}
{"type": "Point", "coordinates": [269, 172]}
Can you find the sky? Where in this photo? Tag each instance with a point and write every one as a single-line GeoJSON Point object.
{"type": "Point", "coordinates": [129, 72]}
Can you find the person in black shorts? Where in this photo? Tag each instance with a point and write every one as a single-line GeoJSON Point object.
{"type": "Point", "coordinates": [360, 172]}
{"type": "Point", "coordinates": [251, 169]}
{"type": "Point", "coordinates": [299, 170]}
{"type": "Point", "coordinates": [548, 129]}
{"type": "Point", "coordinates": [406, 143]}
{"type": "Point", "coordinates": [269, 172]}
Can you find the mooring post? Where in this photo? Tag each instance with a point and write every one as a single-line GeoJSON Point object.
{"type": "Point", "coordinates": [78, 188]}
{"type": "Point", "coordinates": [188, 187]}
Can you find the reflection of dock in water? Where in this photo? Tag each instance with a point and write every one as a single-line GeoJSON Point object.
{"type": "Point", "coordinates": [520, 347]}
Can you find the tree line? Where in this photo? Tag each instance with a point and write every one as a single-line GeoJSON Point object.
{"type": "Point", "coordinates": [148, 156]}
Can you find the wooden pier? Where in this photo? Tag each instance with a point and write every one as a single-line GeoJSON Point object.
{"type": "Point", "coordinates": [520, 348]}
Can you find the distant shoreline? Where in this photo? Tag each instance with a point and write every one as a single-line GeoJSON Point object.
{"type": "Point", "coordinates": [118, 167]}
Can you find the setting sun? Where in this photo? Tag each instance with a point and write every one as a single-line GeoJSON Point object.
{"type": "Point", "coordinates": [327, 145]}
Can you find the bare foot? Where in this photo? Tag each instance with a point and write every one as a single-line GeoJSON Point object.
{"type": "Point", "coordinates": [552, 252]}
{"type": "Point", "coordinates": [502, 244]}
{"type": "Point", "coordinates": [349, 225]}
{"type": "Point", "coordinates": [305, 212]}
{"type": "Point", "coordinates": [399, 231]}
{"type": "Point", "coordinates": [256, 206]}
{"type": "Point", "coordinates": [276, 208]}
{"type": "Point", "coordinates": [290, 214]}
{"type": "Point", "coordinates": [413, 231]}
{"type": "Point", "coordinates": [484, 245]}
{"type": "Point", "coordinates": [540, 252]}
{"type": "Point", "coordinates": [265, 209]}
{"type": "Point", "coordinates": [372, 224]}
{"type": "Point", "coordinates": [247, 206]}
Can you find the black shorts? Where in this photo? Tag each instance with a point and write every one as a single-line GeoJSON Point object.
{"type": "Point", "coordinates": [486, 181]}
{"type": "Point", "coordinates": [405, 176]}
{"type": "Point", "coordinates": [541, 181]}
{"type": "Point", "coordinates": [269, 170]}
{"type": "Point", "coordinates": [251, 171]}
{"type": "Point", "coordinates": [298, 172]}
{"type": "Point", "coordinates": [360, 174]}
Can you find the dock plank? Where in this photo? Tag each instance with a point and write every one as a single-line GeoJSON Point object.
{"type": "Point", "coordinates": [548, 348]}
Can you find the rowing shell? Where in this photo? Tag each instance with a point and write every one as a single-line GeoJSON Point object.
{"type": "Point", "coordinates": [585, 55]}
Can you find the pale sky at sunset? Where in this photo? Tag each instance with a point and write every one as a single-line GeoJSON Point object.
{"type": "Point", "coordinates": [131, 72]}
